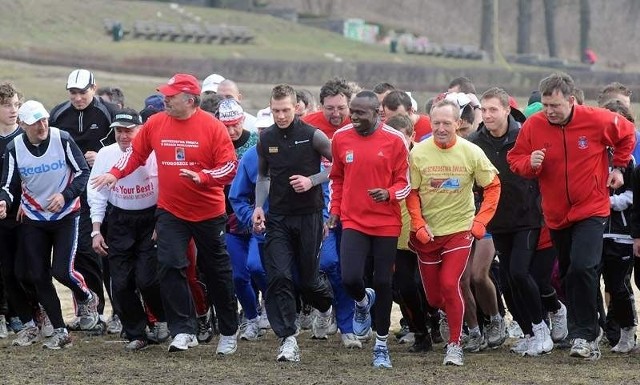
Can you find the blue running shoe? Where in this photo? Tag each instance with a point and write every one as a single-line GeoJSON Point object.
{"type": "Point", "coordinates": [362, 315]}
{"type": "Point", "coordinates": [15, 324]}
{"type": "Point", "coordinates": [381, 357]}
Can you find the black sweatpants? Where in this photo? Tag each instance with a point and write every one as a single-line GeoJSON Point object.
{"type": "Point", "coordinates": [617, 263]}
{"type": "Point", "coordinates": [354, 250]}
{"type": "Point", "coordinates": [87, 262]}
{"type": "Point", "coordinates": [292, 249]}
{"type": "Point", "coordinates": [39, 239]}
{"type": "Point", "coordinates": [17, 300]}
{"type": "Point", "coordinates": [213, 263]}
{"type": "Point", "coordinates": [517, 252]}
{"type": "Point", "coordinates": [409, 293]}
{"type": "Point", "coordinates": [579, 255]}
{"type": "Point", "coordinates": [133, 266]}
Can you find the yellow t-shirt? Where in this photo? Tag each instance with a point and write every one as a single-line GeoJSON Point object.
{"type": "Point", "coordinates": [445, 179]}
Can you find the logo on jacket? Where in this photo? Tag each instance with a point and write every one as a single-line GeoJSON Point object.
{"type": "Point", "coordinates": [93, 126]}
{"type": "Point", "coordinates": [349, 157]}
{"type": "Point", "coordinates": [583, 143]}
{"type": "Point", "coordinates": [273, 150]}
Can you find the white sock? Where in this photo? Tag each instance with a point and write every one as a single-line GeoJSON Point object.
{"type": "Point", "coordinates": [381, 340]}
{"type": "Point", "coordinates": [496, 317]}
{"type": "Point", "coordinates": [363, 302]}
{"type": "Point", "coordinates": [474, 331]}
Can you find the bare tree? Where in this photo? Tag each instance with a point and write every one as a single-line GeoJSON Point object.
{"type": "Point", "coordinates": [524, 26]}
{"type": "Point", "coordinates": [550, 26]}
{"type": "Point", "coordinates": [585, 27]}
{"type": "Point", "coordinates": [486, 28]}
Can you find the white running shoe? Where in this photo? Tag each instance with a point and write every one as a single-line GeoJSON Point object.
{"type": "Point", "coordinates": [58, 340]}
{"type": "Point", "coordinates": [27, 336]}
{"type": "Point", "coordinates": [228, 344]}
{"type": "Point", "coordinates": [114, 325]}
{"type": "Point", "coordinates": [589, 350]}
{"type": "Point", "coordinates": [289, 351]}
{"type": "Point", "coordinates": [627, 340]}
{"type": "Point", "coordinates": [264, 320]}
{"type": "Point", "coordinates": [408, 339]}
{"type": "Point", "coordinates": [350, 341]}
{"type": "Point", "coordinates": [454, 355]}
{"type": "Point", "coordinates": [496, 333]}
{"type": "Point", "coordinates": [514, 330]}
{"type": "Point", "coordinates": [4, 331]}
{"type": "Point", "coordinates": [541, 342]}
{"type": "Point", "coordinates": [559, 329]}
{"type": "Point", "coordinates": [320, 325]}
{"type": "Point", "coordinates": [474, 343]}
{"type": "Point", "coordinates": [252, 330]}
{"type": "Point", "coordinates": [159, 333]}
{"type": "Point", "coordinates": [182, 342]}
{"type": "Point", "coordinates": [43, 322]}
{"type": "Point", "coordinates": [521, 346]}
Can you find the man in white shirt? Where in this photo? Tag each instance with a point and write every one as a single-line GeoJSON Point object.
{"type": "Point", "coordinates": [131, 205]}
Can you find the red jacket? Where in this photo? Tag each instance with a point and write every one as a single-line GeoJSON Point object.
{"type": "Point", "coordinates": [360, 163]}
{"type": "Point", "coordinates": [318, 120]}
{"type": "Point", "coordinates": [200, 143]}
{"type": "Point", "coordinates": [422, 127]}
{"type": "Point", "coordinates": [573, 175]}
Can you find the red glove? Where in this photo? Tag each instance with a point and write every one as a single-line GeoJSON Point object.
{"type": "Point", "coordinates": [478, 230]}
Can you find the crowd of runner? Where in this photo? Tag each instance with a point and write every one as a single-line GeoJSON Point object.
{"type": "Point", "coordinates": [482, 221]}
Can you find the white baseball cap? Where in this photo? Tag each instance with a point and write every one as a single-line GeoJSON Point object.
{"type": "Point", "coordinates": [80, 79]}
{"type": "Point", "coordinates": [264, 118]}
{"type": "Point", "coordinates": [211, 82]}
{"type": "Point", "coordinates": [31, 112]}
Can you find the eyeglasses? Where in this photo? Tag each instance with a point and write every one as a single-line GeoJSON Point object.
{"type": "Point", "coordinates": [332, 109]}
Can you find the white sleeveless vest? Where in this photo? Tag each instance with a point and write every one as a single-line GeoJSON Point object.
{"type": "Point", "coordinates": [42, 176]}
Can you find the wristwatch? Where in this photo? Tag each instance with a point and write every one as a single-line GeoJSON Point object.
{"type": "Point", "coordinates": [94, 233]}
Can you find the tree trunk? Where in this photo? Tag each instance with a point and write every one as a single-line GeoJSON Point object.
{"type": "Point", "coordinates": [486, 28]}
{"type": "Point", "coordinates": [524, 26]}
{"type": "Point", "coordinates": [585, 27]}
{"type": "Point", "coordinates": [550, 26]}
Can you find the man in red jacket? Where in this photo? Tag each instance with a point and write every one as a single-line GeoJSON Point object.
{"type": "Point", "coordinates": [334, 112]}
{"type": "Point", "coordinates": [565, 147]}
{"type": "Point", "coordinates": [369, 211]}
{"type": "Point", "coordinates": [196, 160]}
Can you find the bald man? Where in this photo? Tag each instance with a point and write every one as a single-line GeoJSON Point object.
{"type": "Point", "coordinates": [229, 89]}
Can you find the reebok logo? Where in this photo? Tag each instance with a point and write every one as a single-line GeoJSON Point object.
{"type": "Point", "coordinates": [26, 171]}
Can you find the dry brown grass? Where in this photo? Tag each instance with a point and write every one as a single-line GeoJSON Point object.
{"type": "Point", "coordinates": [101, 360]}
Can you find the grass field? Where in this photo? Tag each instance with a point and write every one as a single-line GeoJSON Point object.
{"type": "Point", "coordinates": [76, 27]}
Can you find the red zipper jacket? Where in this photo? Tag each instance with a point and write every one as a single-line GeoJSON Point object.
{"type": "Point", "coordinates": [573, 176]}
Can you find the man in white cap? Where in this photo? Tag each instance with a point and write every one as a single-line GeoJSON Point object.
{"type": "Point", "coordinates": [129, 238]}
{"type": "Point", "coordinates": [87, 118]}
{"type": "Point", "coordinates": [211, 83]}
{"type": "Point", "coordinates": [53, 173]}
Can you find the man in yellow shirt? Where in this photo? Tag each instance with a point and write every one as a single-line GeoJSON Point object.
{"type": "Point", "coordinates": [443, 171]}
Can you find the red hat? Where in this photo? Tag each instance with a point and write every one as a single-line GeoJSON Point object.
{"type": "Point", "coordinates": [180, 83]}
{"type": "Point", "coordinates": [513, 103]}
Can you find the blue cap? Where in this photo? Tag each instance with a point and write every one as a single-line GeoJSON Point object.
{"type": "Point", "coordinates": [155, 101]}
